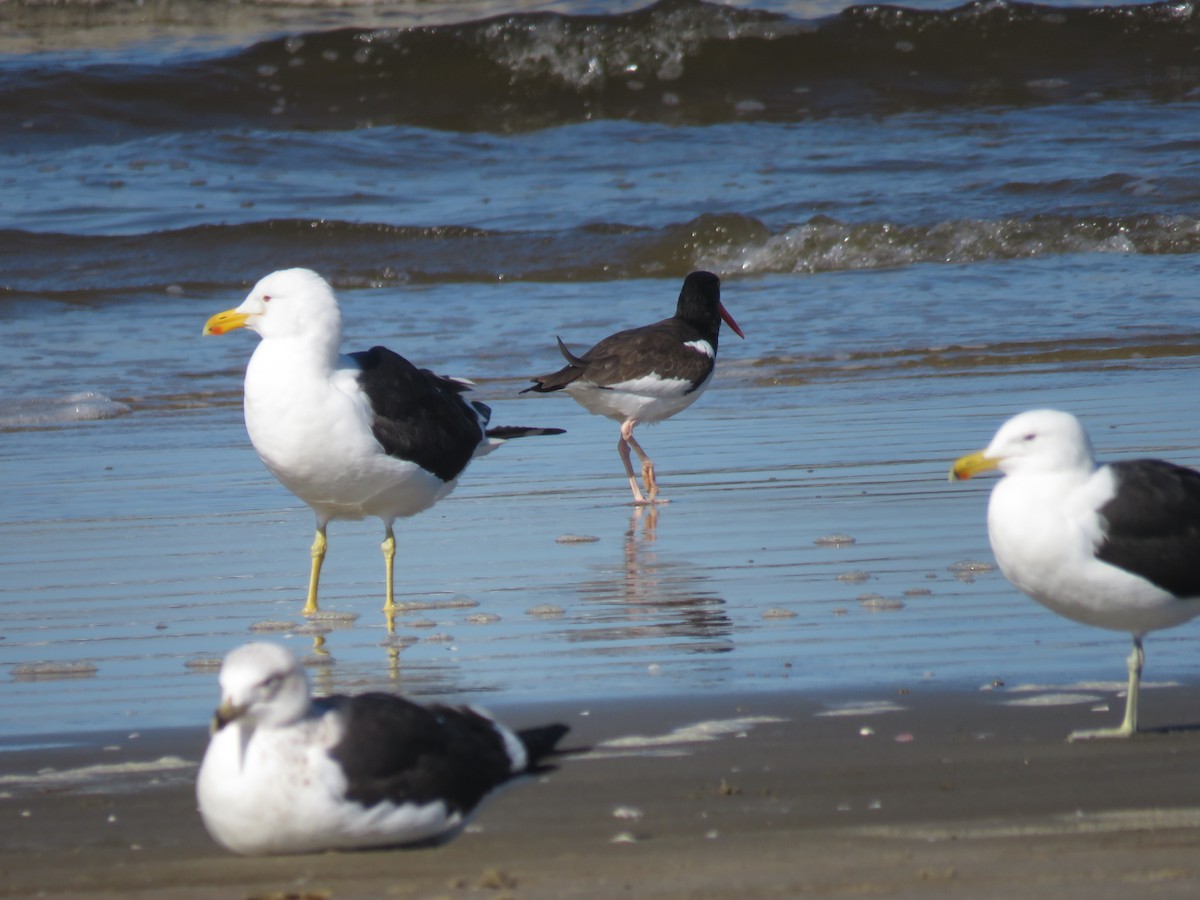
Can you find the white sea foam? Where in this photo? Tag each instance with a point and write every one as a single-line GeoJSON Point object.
{"type": "Point", "coordinates": [690, 734]}
{"type": "Point", "coordinates": [81, 407]}
{"type": "Point", "coordinates": [110, 776]}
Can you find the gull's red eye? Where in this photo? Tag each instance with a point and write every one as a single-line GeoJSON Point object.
{"type": "Point", "coordinates": [266, 298]}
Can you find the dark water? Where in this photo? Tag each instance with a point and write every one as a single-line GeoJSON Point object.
{"type": "Point", "coordinates": [559, 147]}
{"type": "Point", "coordinates": [925, 220]}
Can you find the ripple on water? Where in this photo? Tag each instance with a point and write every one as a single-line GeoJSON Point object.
{"type": "Point", "coordinates": [41, 411]}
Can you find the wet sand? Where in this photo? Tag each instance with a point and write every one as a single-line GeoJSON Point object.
{"type": "Point", "coordinates": [148, 546]}
{"type": "Point", "coordinates": [946, 794]}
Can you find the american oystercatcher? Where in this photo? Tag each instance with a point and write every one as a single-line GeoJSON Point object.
{"type": "Point", "coordinates": [1115, 546]}
{"type": "Point", "coordinates": [286, 773]}
{"type": "Point", "coordinates": [365, 434]}
{"type": "Point", "coordinates": [648, 374]}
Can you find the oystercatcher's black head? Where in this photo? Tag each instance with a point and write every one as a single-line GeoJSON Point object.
{"type": "Point", "coordinates": [700, 306]}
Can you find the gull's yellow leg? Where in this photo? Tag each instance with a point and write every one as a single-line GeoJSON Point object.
{"type": "Point", "coordinates": [1128, 727]}
{"type": "Point", "coordinates": [1137, 659]}
{"type": "Point", "coordinates": [314, 577]}
{"type": "Point", "coordinates": [389, 558]}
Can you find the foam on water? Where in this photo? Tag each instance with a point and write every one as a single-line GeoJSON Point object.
{"type": "Point", "coordinates": [86, 406]}
{"type": "Point", "coordinates": [105, 777]}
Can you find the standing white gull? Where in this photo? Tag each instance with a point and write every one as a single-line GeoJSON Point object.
{"type": "Point", "coordinates": [364, 434]}
{"type": "Point", "coordinates": [1116, 546]}
{"type": "Point", "coordinates": [648, 374]}
{"type": "Point", "coordinates": [286, 773]}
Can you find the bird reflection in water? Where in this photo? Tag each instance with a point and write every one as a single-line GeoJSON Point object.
{"type": "Point", "coordinates": [653, 599]}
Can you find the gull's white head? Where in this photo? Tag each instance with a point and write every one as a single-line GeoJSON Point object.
{"type": "Point", "coordinates": [262, 685]}
{"type": "Point", "coordinates": [287, 303]}
{"type": "Point", "coordinates": [1040, 441]}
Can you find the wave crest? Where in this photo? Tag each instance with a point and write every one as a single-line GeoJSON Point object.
{"type": "Point", "coordinates": [365, 255]}
{"type": "Point", "coordinates": [678, 61]}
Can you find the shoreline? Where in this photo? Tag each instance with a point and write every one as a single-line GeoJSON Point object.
{"type": "Point", "coordinates": [907, 793]}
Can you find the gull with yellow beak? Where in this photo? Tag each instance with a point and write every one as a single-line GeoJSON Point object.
{"type": "Point", "coordinates": [286, 772]}
{"type": "Point", "coordinates": [357, 435]}
{"type": "Point", "coordinates": [1116, 546]}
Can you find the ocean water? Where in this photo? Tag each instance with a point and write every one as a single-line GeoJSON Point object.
{"type": "Point", "coordinates": [926, 219]}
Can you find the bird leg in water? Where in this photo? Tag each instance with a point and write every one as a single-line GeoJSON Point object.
{"type": "Point", "coordinates": [318, 557]}
{"type": "Point", "coordinates": [623, 450]}
{"type": "Point", "coordinates": [648, 479]}
{"type": "Point", "coordinates": [389, 558]}
{"type": "Point", "coordinates": [1128, 727]}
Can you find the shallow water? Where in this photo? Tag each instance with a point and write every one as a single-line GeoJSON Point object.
{"type": "Point", "coordinates": [906, 277]}
{"type": "Point", "coordinates": [143, 543]}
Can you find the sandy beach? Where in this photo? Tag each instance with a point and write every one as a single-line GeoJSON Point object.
{"type": "Point", "coordinates": [907, 794]}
